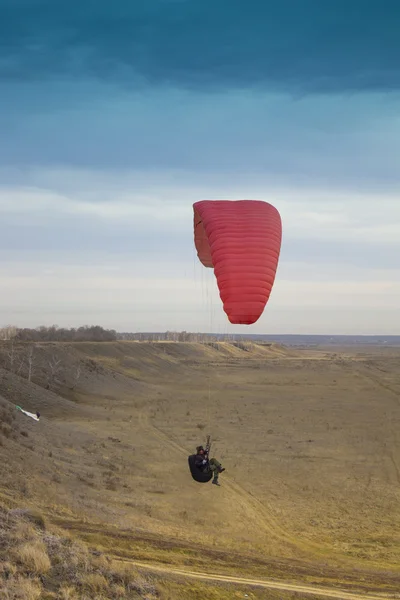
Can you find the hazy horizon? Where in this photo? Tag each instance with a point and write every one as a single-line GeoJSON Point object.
{"type": "Point", "coordinates": [116, 118]}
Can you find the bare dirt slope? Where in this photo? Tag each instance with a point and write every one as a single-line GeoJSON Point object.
{"type": "Point", "coordinates": [310, 443]}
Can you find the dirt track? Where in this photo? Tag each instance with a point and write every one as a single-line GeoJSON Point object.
{"type": "Point", "coordinates": [265, 583]}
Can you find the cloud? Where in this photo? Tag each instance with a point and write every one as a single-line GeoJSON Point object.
{"type": "Point", "coordinates": [316, 142]}
{"type": "Point", "coordinates": [115, 119]}
{"type": "Point", "coordinates": [75, 295]}
{"type": "Point", "coordinates": [302, 47]}
{"type": "Point", "coordinates": [128, 259]}
{"type": "Point", "coordinates": [25, 203]}
{"type": "Point", "coordinates": [139, 202]}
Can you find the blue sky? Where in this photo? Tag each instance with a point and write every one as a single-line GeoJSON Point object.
{"type": "Point", "coordinates": [116, 117]}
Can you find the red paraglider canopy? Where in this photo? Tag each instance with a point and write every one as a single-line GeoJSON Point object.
{"type": "Point", "coordinates": [241, 240]}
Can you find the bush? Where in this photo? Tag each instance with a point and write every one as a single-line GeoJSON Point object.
{"type": "Point", "coordinates": [35, 563]}
{"type": "Point", "coordinates": [33, 557]}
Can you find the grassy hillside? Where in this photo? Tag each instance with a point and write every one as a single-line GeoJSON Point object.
{"type": "Point", "coordinates": [309, 440]}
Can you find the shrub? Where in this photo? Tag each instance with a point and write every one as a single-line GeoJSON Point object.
{"type": "Point", "coordinates": [33, 557]}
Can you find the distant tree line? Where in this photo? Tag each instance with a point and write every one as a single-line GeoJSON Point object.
{"type": "Point", "coordinates": [87, 333]}
{"type": "Point", "coordinates": [96, 333]}
{"type": "Point", "coordinates": [175, 336]}
{"type": "Point", "coordinates": [8, 332]}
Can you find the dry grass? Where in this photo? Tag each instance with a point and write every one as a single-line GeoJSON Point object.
{"type": "Point", "coordinates": [47, 566]}
{"type": "Point", "coordinates": [67, 592]}
{"type": "Point", "coordinates": [33, 558]}
{"type": "Point", "coordinates": [35, 562]}
{"type": "Point", "coordinates": [309, 440]}
{"type": "Point", "coordinates": [21, 588]}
